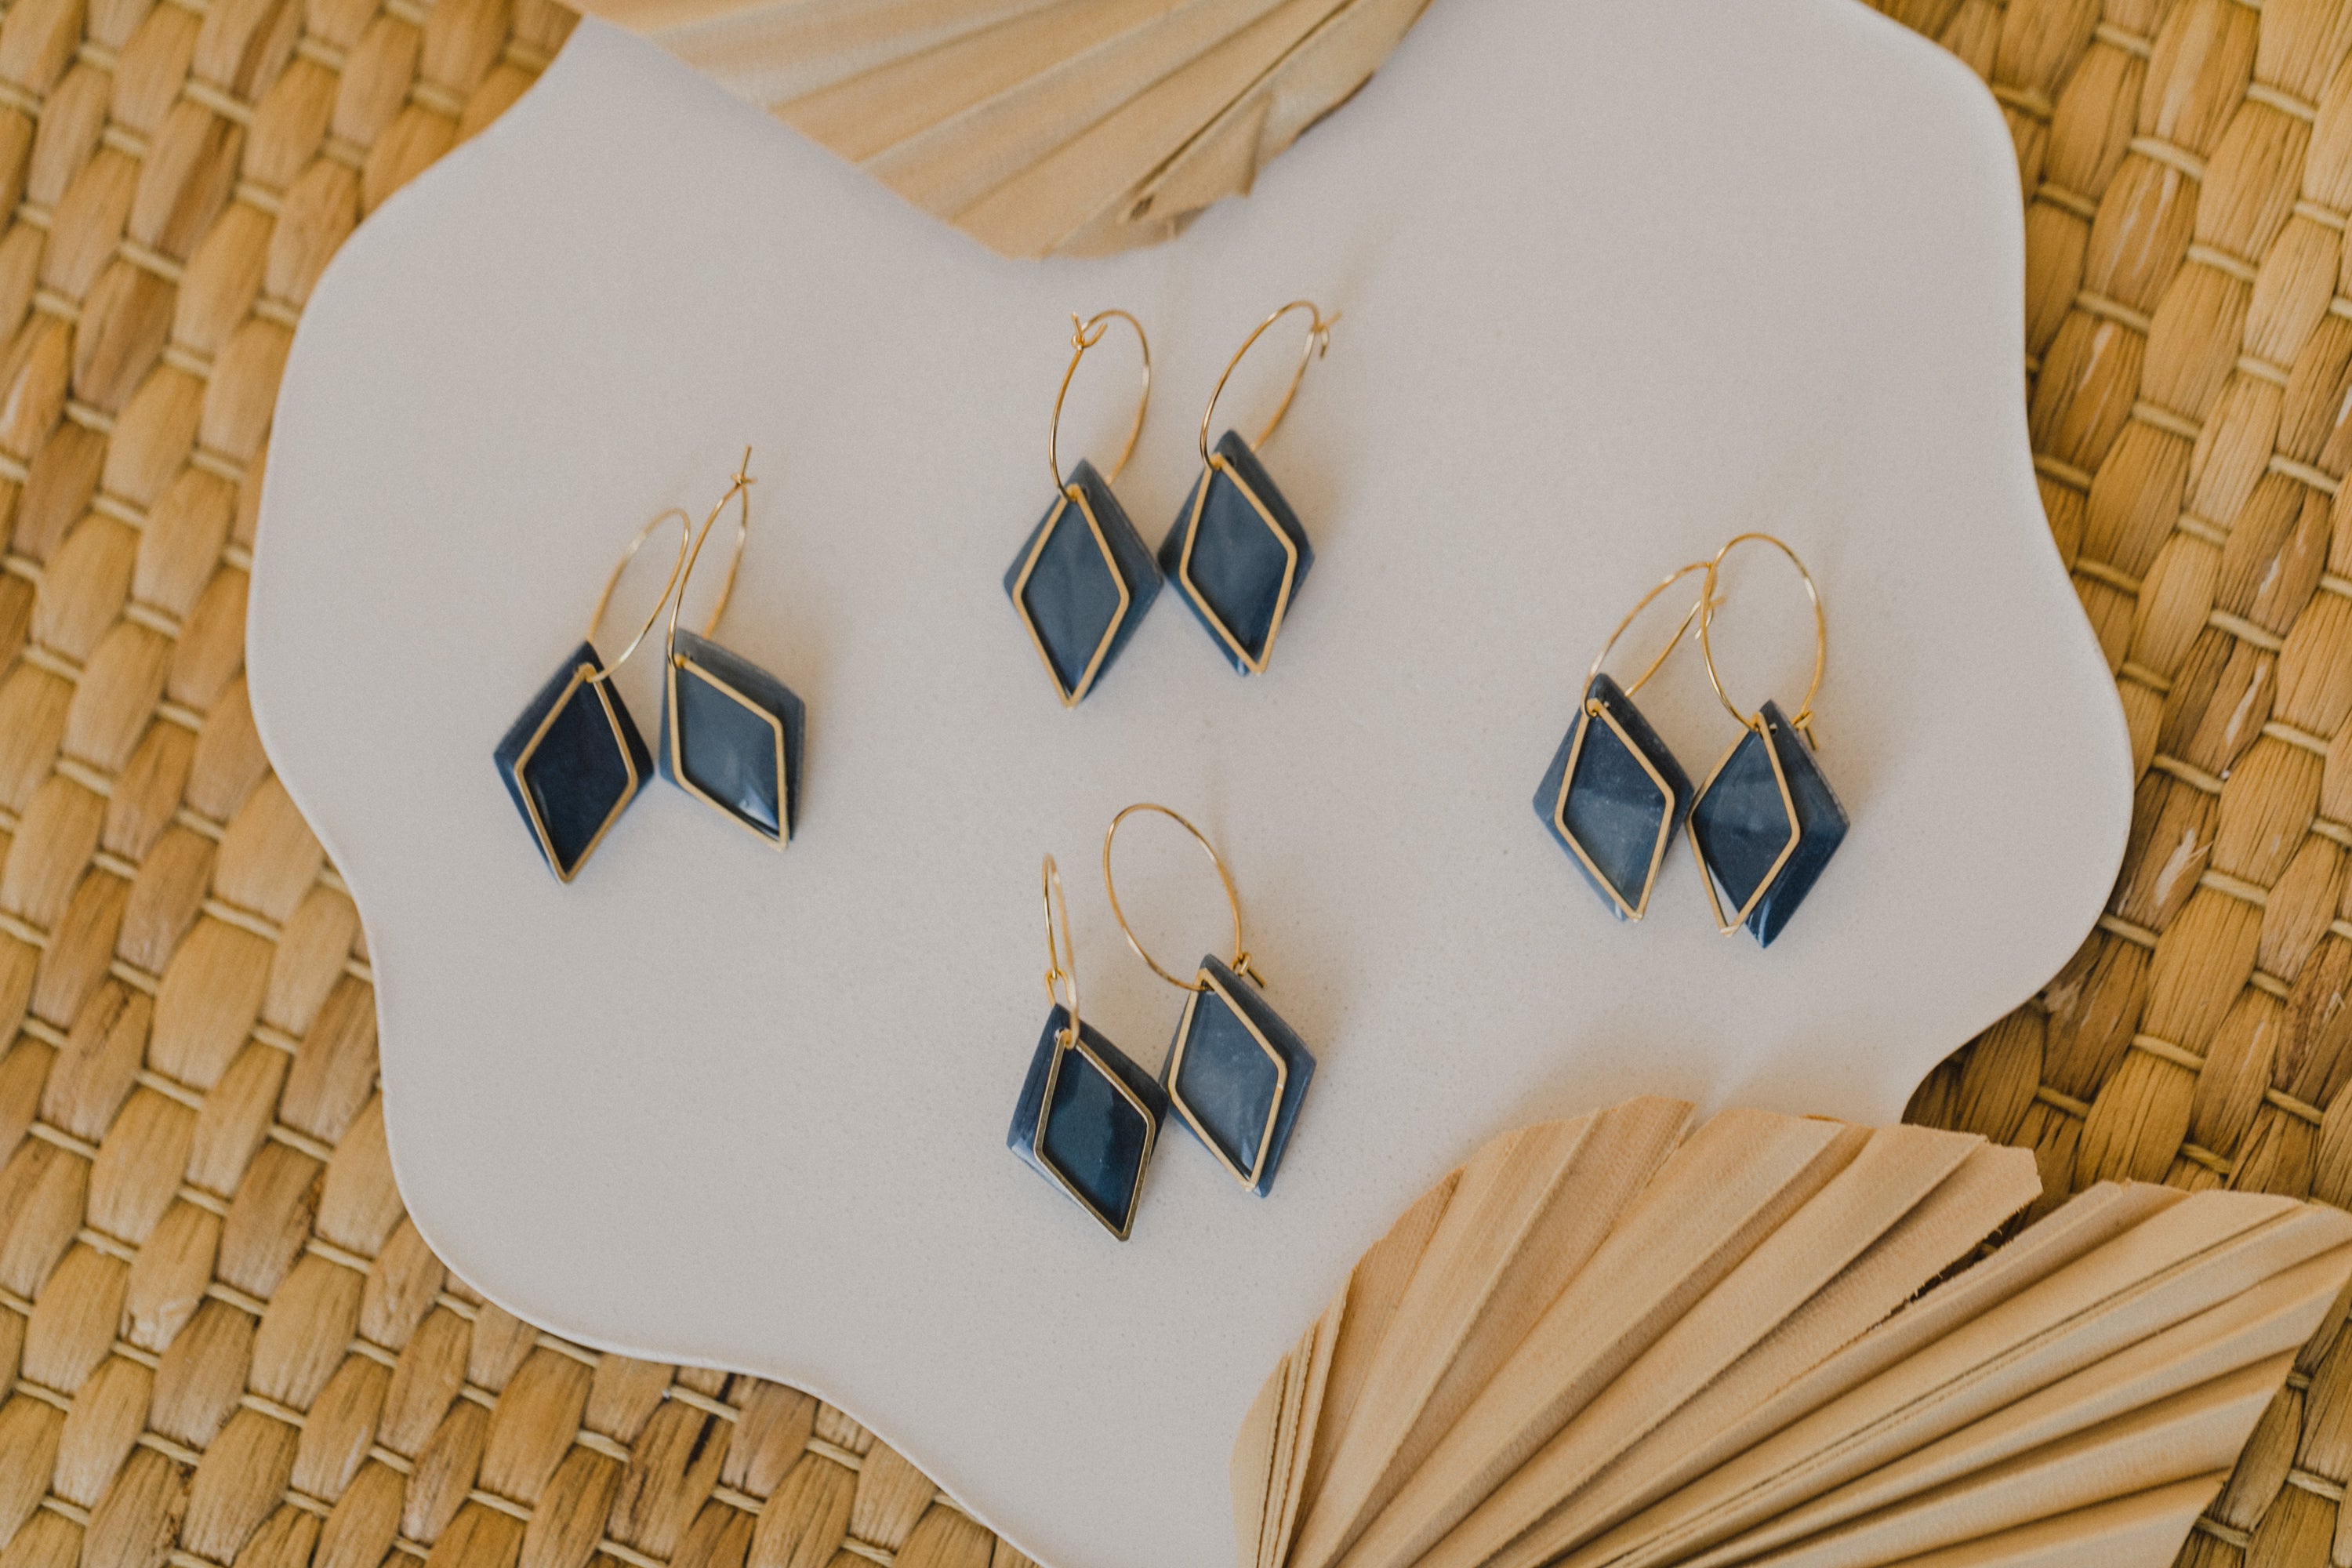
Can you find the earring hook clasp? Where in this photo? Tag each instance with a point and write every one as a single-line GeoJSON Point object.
{"type": "Point", "coordinates": [1804, 720]}
{"type": "Point", "coordinates": [1083, 335]}
{"type": "Point", "coordinates": [676, 575]}
{"type": "Point", "coordinates": [1697, 615]}
{"type": "Point", "coordinates": [742, 486]}
{"type": "Point", "coordinates": [1319, 343]}
{"type": "Point", "coordinates": [1061, 963]}
{"type": "Point", "coordinates": [1240, 962]}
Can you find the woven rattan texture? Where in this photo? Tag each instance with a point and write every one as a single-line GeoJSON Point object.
{"type": "Point", "coordinates": [2188, 169]}
{"type": "Point", "coordinates": [221, 1341]}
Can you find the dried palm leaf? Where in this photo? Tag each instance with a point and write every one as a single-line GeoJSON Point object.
{"type": "Point", "coordinates": [1077, 127]}
{"type": "Point", "coordinates": [1617, 1342]}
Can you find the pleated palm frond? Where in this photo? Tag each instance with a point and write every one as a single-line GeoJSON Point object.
{"type": "Point", "coordinates": [1040, 126]}
{"type": "Point", "coordinates": [1618, 1342]}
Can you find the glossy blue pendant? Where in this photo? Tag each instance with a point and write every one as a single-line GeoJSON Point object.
{"type": "Point", "coordinates": [1764, 824]}
{"type": "Point", "coordinates": [1613, 798]}
{"type": "Point", "coordinates": [731, 737]}
{"type": "Point", "coordinates": [1087, 1121]}
{"type": "Point", "coordinates": [1081, 584]}
{"type": "Point", "coordinates": [1237, 1074]}
{"type": "Point", "coordinates": [1237, 555]}
{"type": "Point", "coordinates": [573, 762]}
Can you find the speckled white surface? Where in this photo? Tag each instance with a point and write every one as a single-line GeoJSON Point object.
{"type": "Point", "coordinates": [1618, 276]}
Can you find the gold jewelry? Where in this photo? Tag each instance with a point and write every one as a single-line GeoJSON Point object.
{"type": "Point", "coordinates": [1062, 965]}
{"type": "Point", "coordinates": [1613, 796]}
{"type": "Point", "coordinates": [1237, 1073]}
{"type": "Point", "coordinates": [1238, 553]}
{"type": "Point", "coordinates": [731, 731]}
{"type": "Point", "coordinates": [1240, 961]}
{"type": "Point", "coordinates": [1318, 344]}
{"type": "Point", "coordinates": [1088, 1118]}
{"type": "Point", "coordinates": [1085, 336]}
{"type": "Point", "coordinates": [1766, 822]}
{"type": "Point", "coordinates": [1084, 577]}
{"type": "Point", "coordinates": [574, 760]}
{"type": "Point", "coordinates": [1803, 722]}
{"type": "Point", "coordinates": [676, 574]}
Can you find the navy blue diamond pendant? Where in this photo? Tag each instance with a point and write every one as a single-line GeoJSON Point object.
{"type": "Point", "coordinates": [1081, 584]}
{"type": "Point", "coordinates": [1237, 555]}
{"type": "Point", "coordinates": [731, 737]}
{"type": "Point", "coordinates": [1087, 1121]}
{"type": "Point", "coordinates": [1237, 1075]}
{"type": "Point", "coordinates": [1614, 797]}
{"type": "Point", "coordinates": [1764, 824]}
{"type": "Point", "coordinates": [573, 762]}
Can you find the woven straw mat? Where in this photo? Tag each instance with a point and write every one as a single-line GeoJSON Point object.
{"type": "Point", "coordinates": [221, 1342]}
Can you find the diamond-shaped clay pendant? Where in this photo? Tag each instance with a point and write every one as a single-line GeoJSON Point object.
{"type": "Point", "coordinates": [1614, 797]}
{"type": "Point", "coordinates": [573, 760]}
{"type": "Point", "coordinates": [1081, 583]}
{"type": "Point", "coordinates": [1764, 826]}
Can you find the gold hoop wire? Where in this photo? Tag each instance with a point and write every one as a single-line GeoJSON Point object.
{"type": "Point", "coordinates": [1085, 336]}
{"type": "Point", "coordinates": [1802, 721]}
{"type": "Point", "coordinates": [1062, 963]}
{"type": "Point", "coordinates": [1697, 613]}
{"type": "Point", "coordinates": [604, 599]}
{"type": "Point", "coordinates": [1319, 343]}
{"type": "Point", "coordinates": [740, 486]}
{"type": "Point", "coordinates": [1239, 963]}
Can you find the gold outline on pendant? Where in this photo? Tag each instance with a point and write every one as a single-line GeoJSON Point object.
{"type": "Point", "coordinates": [703, 672]}
{"type": "Point", "coordinates": [1202, 981]}
{"type": "Point", "coordinates": [1217, 461]}
{"type": "Point", "coordinates": [1072, 696]}
{"type": "Point", "coordinates": [1762, 729]}
{"type": "Point", "coordinates": [582, 675]}
{"type": "Point", "coordinates": [1595, 708]}
{"type": "Point", "coordinates": [1065, 1041]}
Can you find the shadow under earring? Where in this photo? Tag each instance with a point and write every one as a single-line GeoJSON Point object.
{"type": "Point", "coordinates": [1614, 797]}
{"type": "Point", "coordinates": [574, 760]}
{"type": "Point", "coordinates": [1766, 821]}
{"type": "Point", "coordinates": [1085, 577]}
{"type": "Point", "coordinates": [1238, 554]}
{"type": "Point", "coordinates": [1237, 1073]}
{"type": "Point", "coordinates": [730, 733]}
{"type": "Point", "coordinates": [1088, 1118]}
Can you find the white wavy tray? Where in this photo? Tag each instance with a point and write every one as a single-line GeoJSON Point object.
{"type": "Point", "coordinates": [1611, 290]}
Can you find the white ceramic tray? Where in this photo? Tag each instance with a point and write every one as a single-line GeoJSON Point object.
{"type": "Point", "coordinates": [1619, 279]}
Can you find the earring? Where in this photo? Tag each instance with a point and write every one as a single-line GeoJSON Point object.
{"type": "Point", "coordinates": [1084, 579]}
{"type": "Point", "coordinates": [574, 760]}
{"type": "Point", "coordinates": [1087, 1117]}
{"type": "Point", "coordinates": [1238, 553]}
{"type": "Point", "coordinates": [1237, 1072]}
{"type": "Point", "coordinates": [730, 733]}
{"type": "Point", "coordinates": [1766, 821]}
{"type": "Point", "coordinates": [1614, 795]}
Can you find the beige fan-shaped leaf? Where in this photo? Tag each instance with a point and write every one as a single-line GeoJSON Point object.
{"type": "Point", "coordinates": [1618, 1341]}
{"type": "Point", "coordinates": [1040, 126]}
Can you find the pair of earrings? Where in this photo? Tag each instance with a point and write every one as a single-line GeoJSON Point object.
{"type": "Point", "coordinates": [1237, 552]}
{"type": "Point", "coordinates": [730, 733]}
{"type": "Point", "coordinates": [1088, 1117]}
{"type": "Point", "coordinates": [1762, 826]}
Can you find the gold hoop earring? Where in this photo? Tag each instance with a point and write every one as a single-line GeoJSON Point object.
{"type": "Point", "coordinates": [731, 731]}
{"type": "Point", "coordinates": [574, 760]}
{"type": "Point", "coordinates": [1085, 577]}
{"type": "Point", "coordinates": [1615, 796]}
{"type": "Point", "coordinates": [1766, 822]}
{"type": "Point", "coordinates": [1238, 553]}
{"type": "Point", "coordinates": [1088, 1118]}
{"type": "Point", "coordinates": [1237, 1073]}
